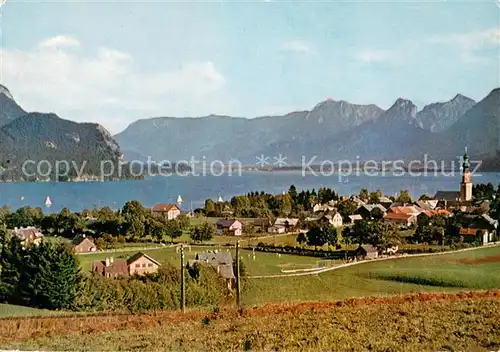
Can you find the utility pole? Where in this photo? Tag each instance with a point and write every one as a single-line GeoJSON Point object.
{"type": "Point", "coordinates": [238, 299]}
{"type": "Point", "coordinates": [183, 289]}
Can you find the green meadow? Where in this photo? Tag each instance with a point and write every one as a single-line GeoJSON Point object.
{"type": "Point", "coordinates": [474, 269]}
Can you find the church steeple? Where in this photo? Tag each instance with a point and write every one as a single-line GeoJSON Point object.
{"type": "Point", "coordinates": [466, 184]}
{"type": "Point", "coordinates": [465, 164]}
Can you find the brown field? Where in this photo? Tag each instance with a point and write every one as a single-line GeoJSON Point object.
{"type": "Point", "coordinates": [478, 261]}
{"type": "Point", "coordinates": [428, 321]}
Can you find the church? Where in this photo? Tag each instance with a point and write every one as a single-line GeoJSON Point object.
{"type": "Point", "coordinates": [465, 193]}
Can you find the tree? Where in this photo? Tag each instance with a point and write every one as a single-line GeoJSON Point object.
{"type": "Point", "coordinates": [377, 214]}
{"type": "Point", "coordinates": [346, 208]}
{"type": "Point", "coordinates": [292, 192]}
{"type": "Point", "coordinates": [483, 191]}
{"type": "Point", "coordinates": [316, 237]}
{"type": "Point", "coordinates": [301, 238]}
{"type": "Point", "coordinates": [333, 236]}
{"type": "Point", "coordinates": [404, 197]}
{"type": "Point", "coordinates": [4, 212]}
{"type": "Point", "coordinates": [284, 204]}
{"type": "Point", "coordinates": [359, 233]}
{"type": "Point", "coordinates": [384, 235]}
{"type": "Point", "coordinates": [156, 227]}
{"type": "Point", "coordinates": [173, 229]}
{"type": "Point", "coordinates": [495, 205]}
{"type": "Point", "coordinates": [43, 276]}
{"type": "Point", "coordinates": [67, 224]}
{"type": "Point", "coordinates": [363, 193]}
{"type": "Point", "coordinates": [209, 207]}
{"type": "Point", "coordinates": [423, 220]}
{"type": "Point", "coordinates": [424, 197]}
{"type": "Point", "coordinates": [203, 232]}
{"type": "Point", "coordinates": [184, 221]}
{"type": "Point", "coordinates": [374, 197]}
{"type": "Point", "coordinates": [23, 217]}
{"type": "Point", "coordinates": [134, 215]}
{"type": "Point", "coordinates": [423, 234]}
{"type": "Point", "coordinates": [378, 234]}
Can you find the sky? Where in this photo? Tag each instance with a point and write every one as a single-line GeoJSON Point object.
{"type": "Point", "coordinates": [116, 62]}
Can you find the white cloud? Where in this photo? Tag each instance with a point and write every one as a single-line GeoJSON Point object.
{"type": "Point", "coordinates": [374, 56]}
{"type": "Point", "coordinates": [470, 41]}
{"type": "Point", "coordinates": [59, 41]}
{"type": "Point", "coordinates": [297, 46]}
{"type": "Point", "coordinates": [469, 44]}
{"type": "Point", "coordinates": [106, 87]}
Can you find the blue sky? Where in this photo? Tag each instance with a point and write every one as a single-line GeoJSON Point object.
{"type": "Point", "coordinates": [114, 63]}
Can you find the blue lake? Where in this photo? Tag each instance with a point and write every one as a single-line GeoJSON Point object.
{"type": "Point", "coordinates": [194, 190]}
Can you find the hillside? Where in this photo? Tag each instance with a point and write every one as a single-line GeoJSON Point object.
{"type": "Point", "coordinates": [479, 127]}
{"type": "Point", "coordinates": [427, 322]}
{"type": "Point", "coordinates": [9, 110]}
{"type": "Point", "coordinates": [32, 137]}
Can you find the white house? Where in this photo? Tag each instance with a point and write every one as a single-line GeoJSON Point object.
{"type": "Point", "coordinates": [230, 227]}
{"type": "Point", "coordinates": [276, 229]}
{"type": "Point", "coordinates": [167, 211]}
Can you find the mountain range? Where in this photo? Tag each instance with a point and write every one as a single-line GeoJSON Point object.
{"type": "Point", "coordinates": [332, 130]}
{"type": "Point", "coordinates": [37, 136]}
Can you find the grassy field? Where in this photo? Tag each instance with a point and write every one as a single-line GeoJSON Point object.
{"type": "Point", "coordinates": [10, 310]}
{"type": "Point", "coordinates": [476, 269]}
{"type": "Point", "coordinates": [440, 273]}
{"type": "Point", "coordinates": [263, 264]}
{"type": "Point", "coordinates": [464, 322]}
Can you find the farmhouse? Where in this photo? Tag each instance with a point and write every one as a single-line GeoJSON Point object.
{"type": "Point", "coordinates": [229, 227]}
{"type": "Point", "coordinates": [26, 235]}
{"type": "Point", "coordinates": [366, 210]}
{"type": "Point", "coordinates": [366, 252]}
{"type": "Point", "coordinates": [276, 229]}
{"type": "Point", "coordinates": [167, 211]}
{"type": "Point", "coordinates": [355, 218]}
{"type": "Point", "coordinates": [408, 209]}
{"type": "Point", "coordinates": [385, 201]}
{"type": "Point", "coordinates": [322, 208]}
{"type": "Point", "coordinates": [110, 268]}
{"type": "Point", "coordinates": [262, 224]}
{"type": "Point", "coordinates": [334, 220]}
{"type": "Point", "coordinates": [139, 264]}
{"type": "Point", "coordinates": [85, 246]}
{"type": "Point", "coordinates": [288, 223]}
{"type": "Point", "coordinates": [430, 204]}
{"type": "Point", "coordinates": [482, 228]}
{"type": "Point", "coordinates": [401, 219]}
{"type": "Point", "coordinates": [471, 234]}
{"type": "Point", "coordinates": [222, 262]}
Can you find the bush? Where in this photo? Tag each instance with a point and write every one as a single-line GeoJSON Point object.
{"type": "Point", "coordinates": [156, 291]}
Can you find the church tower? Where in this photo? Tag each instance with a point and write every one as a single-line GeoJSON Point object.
{"type": "Point", "coordinates": [466, 184]}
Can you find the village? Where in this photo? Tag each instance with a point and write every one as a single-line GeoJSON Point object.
{"type": "Point", "coordinates": [356, 227]}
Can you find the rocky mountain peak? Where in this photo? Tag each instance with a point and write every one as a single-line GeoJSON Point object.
{"type": "Point", "coordinates": [402, 108]}
{"type": "Point", "coordinates": [4, 90]}
{"type": "Point", "coordinates": [437, 117]}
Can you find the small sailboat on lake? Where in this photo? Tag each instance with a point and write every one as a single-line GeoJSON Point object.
{"type": "Point", "coordinates": [48, 202]}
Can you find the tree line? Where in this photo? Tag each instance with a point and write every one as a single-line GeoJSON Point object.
{"type": "Point", "coordinates": [106, 226]}
{"type": "Point", "coordinates": [48, 276]}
